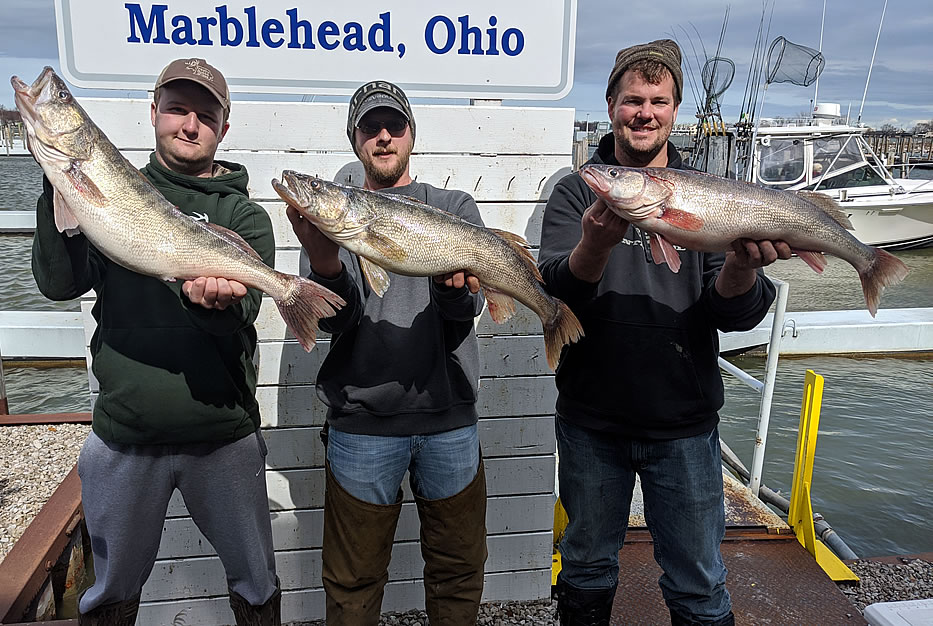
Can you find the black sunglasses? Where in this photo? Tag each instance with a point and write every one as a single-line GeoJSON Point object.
{"type": "Point", "coordinates": [395, 126]}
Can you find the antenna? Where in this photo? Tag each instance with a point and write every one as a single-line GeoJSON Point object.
{"type": "Point", "coordinates": [877, 37]}
{"type": "Point", "coordinates": [816, 90]}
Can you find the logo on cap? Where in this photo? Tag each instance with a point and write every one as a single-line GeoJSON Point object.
{"type": "Point", "coordinates": [195, 67]}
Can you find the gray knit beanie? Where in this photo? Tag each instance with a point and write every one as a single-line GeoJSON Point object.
{"type": "Point", "coordinates": [664, 51]}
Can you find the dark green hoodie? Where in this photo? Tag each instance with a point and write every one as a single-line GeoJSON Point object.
{"type": "Point", "coordinates": [169, 371]}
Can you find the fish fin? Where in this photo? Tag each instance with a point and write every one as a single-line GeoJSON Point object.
{"type": "Point", "coordinates": [231, 237]}
{"type": "Point", "coordinates": [664, 252]}
{"type": "Point", "coordinates": [306, 303]}
{"type": "Point", "coordinates": [828, 206]}
{"type": "Point", "coordinates": [84, 185]}
{"type": "Point", "coordinates": [520, 245]}
{"type": "Point", "coordinates": [813, 258]}
{"type": "Point", "coordinates": [501, 305]}
{"type": "Point", "coordinates": [65, 220]}
{"type": "Point", "coordinates": [564, 329]}
{"type": "Point", "coordinates": [376, 276]}
{"type": "Point", "coordinates": [384, 246]}
{"type": "Point", "coordinates": [682, 219]}
{"type": "Point", "coordinates": [884, 271]}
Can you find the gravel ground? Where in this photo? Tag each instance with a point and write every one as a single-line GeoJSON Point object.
{"type": "Point", "coordinates": [539, 613]}
{"type": "Point", "coordinates": [911, 579]}
{"type": "Point", "coordinates": [33, 461]}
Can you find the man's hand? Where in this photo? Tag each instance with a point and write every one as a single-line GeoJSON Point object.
{"type": "Point", "coordinates": [738, 273]}
{"type": "Point", "coordinates": [213, 293]}
{"type": "Point", "coordinates": [459, 279]}
{"type": "Point", "coordinates": [602, 230]}
{"type": "Point", "coordinates": [322, 252]}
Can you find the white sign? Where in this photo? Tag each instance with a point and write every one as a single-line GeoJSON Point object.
{"type": "Point", "coordinates": [478, 49]}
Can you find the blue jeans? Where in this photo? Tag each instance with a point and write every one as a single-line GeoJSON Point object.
{"type": "Point", "coordinates": [681, 480]}
{"type": "Point", "coordinates": [371, 467]}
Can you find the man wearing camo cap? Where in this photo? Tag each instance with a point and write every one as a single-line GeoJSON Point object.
{"type": "Point", "coordinates": [639, 394]}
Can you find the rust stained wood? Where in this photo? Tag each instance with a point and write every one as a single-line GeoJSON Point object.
{"type": "Point", "coordinates": [26, 567]}
{"type": "Point", "coordinates": [771, 582]}
{"type": "Point", "coordinates": [29, 419]}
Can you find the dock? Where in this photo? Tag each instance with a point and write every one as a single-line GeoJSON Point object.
{"type": "Point", "coordinates": [841, 332]}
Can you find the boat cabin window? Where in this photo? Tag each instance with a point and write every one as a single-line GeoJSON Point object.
{"type": "Point", "coordinates": [849, 169]}
{"type": "Point", "coordinates": [781, 162]}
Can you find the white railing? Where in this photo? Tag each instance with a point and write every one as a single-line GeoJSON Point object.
{"type": "Point", "coordinates": [766, 388]}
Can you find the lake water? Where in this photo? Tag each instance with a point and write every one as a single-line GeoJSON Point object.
{"type": "Point", "coordinates": [874, 457]}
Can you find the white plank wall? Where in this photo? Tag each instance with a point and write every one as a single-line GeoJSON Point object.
{"type": "Point", "coordinates": [509, 159]}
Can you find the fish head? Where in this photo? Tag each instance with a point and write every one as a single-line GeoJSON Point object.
{"type": "Point", "coordinates": [57, 128]}
{"type": "Point", "coordinates": [626, 190]}
{"type": "Point", "coordinates": [324, 203]}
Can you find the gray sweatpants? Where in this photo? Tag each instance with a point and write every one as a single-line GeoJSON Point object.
{"type": "Point", "coordinates": [125, 490]}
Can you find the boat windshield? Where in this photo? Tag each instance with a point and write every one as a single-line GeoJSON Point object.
{"type": "Point", "coordinates": [849, 169]}
{"type": "Point", "coordinates": [781, 162]}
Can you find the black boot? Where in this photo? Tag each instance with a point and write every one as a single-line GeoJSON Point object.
{"type": "Point", "coordinates": [114, 614]}
{"type": "Point", "coordinates": [268, 614]}
{"type": "Point", "coordinates": [678, 619]}
{"type": "Point", "coordinates": [583, 607]}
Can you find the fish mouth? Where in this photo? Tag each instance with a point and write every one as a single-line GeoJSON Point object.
{"type": "Point", "coordinates": [287, 189]}
{"type": "Point", "coordinates": [592, 178]}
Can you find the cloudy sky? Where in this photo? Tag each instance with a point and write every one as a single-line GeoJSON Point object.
{"type": "Point", "coordinates": [900, 91]}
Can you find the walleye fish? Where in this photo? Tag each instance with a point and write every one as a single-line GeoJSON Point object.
{"type": "Point", "coordinates": [99, 193]}
{"type": "Point", "coordinates": [706, 213]}
{"type": "Point", "coordinates": [409, 237]}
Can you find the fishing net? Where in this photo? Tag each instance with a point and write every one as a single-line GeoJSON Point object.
{"type": "Point", "coordinates": [792, 63]}
{"type": "Point", "coordinates": [717, 75]}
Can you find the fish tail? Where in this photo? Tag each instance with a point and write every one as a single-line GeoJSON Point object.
{"type": "Point", "coordinates": [884, 271]}
{"type": "Point", "coordinates": [564, 328]}
{"type": "Point", "coordinates": [306, 303]}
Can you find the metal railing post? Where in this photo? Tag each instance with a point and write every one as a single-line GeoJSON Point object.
{"type": "Point", "coordinates": [767, 393]}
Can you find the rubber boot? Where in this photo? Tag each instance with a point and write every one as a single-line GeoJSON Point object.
{"type": "Point", "coordinates": [356, 551]}
{"type": "Point", "coordinates": [583, 607]}
{"type": "Point", "coordinates": [114, 614]}
{"type": "Point", "coordinates": [453, 544]}
{"type": "Point", "coordinates": [267, 614]}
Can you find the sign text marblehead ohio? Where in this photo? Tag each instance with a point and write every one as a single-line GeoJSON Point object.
{"type": "Point", "coordinates": [482, 49]}
{"type": "Point", "coordinates": [442, 34]}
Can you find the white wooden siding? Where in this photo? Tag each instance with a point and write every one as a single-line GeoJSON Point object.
{"type": "Point", "coordinates": [509, 159]}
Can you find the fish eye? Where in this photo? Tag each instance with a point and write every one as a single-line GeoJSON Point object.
{"type": "Point", "coordinates": [63, 95]}
{"type": "Point", "coordinates": [613, 172]}
{"type": "Point", "coordinates": [316, 185]}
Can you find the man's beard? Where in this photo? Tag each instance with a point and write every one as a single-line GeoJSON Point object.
{"type": "Point", "coordinates": [385, 177]}
{"type": "Point", "coordinates": [641, 155]}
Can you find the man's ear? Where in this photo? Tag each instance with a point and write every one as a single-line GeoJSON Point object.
{"type": "Point", "coordinates": [223, 131]}
{"type": "Point", "coordinates": [152, 113]}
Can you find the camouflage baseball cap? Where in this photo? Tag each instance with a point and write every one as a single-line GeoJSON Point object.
{"type": "Point", "coordinates": [198, 71]}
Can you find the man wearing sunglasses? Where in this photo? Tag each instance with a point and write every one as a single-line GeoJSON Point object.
{"type": "Point", "coordinates": [400, 385]}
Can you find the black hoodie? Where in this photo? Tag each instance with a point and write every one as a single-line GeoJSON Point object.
{"type": "Point", "coordinates": [648, 365]}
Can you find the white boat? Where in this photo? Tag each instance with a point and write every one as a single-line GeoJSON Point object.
{"type": "Point", "coordinates": [826, 154]}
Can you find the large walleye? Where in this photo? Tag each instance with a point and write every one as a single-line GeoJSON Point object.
{"type": "Point", "coordinates": [99, 193]}
{"type": "Point", "coordinates": [408, 237]}
{"type": "Point", "coordinates": [706, 213]}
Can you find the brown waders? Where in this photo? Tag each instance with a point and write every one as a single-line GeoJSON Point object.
{"type": "Point", "coordinates": [453, 544]}
{"type": "Point", "coordinates": [358, 547]}
{"type": "Point", "coordinates": [356, 552]}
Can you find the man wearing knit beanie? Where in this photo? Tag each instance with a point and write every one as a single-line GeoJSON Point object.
{"type": "Point", "coordinates": [639, 395]}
